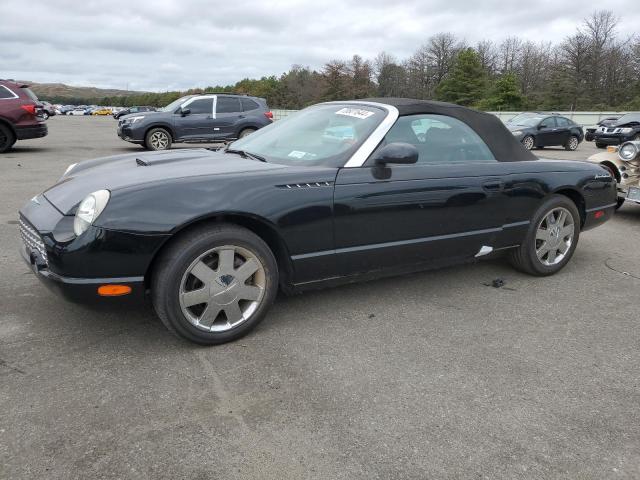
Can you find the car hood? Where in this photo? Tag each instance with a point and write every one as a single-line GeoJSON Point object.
{"type": "Point", "coordinates": [137, 169]}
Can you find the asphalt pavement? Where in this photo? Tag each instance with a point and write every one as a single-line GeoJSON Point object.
{"type": "Point", "coordinates": [433, 375]}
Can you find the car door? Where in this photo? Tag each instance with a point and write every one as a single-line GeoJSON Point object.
{"type": "Point", "coordinates": [195, 119]}
{"type": "Point", "coordinates": [442, 209]}
{"type": "Point", "coordinates": [563, 130]}
{"type": "Point", "coordinates": [547, 133]}
{"type": "Point", "coordinates": [228, 114]}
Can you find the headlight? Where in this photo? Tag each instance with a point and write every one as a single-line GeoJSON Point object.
{"type": "Point", "coordinates": [89, 209]}
{"type": "Point", "coordinates": [516, 132]}
{"type": "Point", "coordinates": [628, 151]}
{"type": "Point", "coordinates": [69, 168]}
{"type": "Point", "coordinates": [626, 130]}
{"type": "Point", "coordinates": [133, 119]}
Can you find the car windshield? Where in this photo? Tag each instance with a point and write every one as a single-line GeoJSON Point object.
{"type": "Point", "coordinates": [326, 134]}
{"type": "Point", "coordinates": [629, 118]}
{"type": "Point", "coordinates": [529, 121]}
{"type": "Point", "coordinates": [175, 104]}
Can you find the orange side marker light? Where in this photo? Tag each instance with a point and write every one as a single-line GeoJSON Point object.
{"type": "Point", "coordinates": [113, 290]}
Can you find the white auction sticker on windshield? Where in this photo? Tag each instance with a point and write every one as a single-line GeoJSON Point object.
{"type": "Point", "coordinates": [297, 154]}
{"type": "Point", "coordinates": [355, 112]}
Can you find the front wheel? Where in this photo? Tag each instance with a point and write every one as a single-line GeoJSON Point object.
{"type": "Point", "coordinates": [214, 284]}
{"type": "Point", "coordinates": [157, 139]}
{"type": "Point", "coordinates": [528, 142]}
{"type": "Point", "coordinates": [551, 239]}
{"type": "Point", "coordinates": [572, 144]}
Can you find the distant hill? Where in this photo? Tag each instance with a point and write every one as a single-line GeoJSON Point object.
{"type": "Point", "coordinates": [47, 91]}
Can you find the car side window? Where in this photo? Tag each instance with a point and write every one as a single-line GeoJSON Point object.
{"type": "Point", "coordinates": [201, 105]}
{"type": "Point", "coordinates": [549, 122]}
{"type": "Point", "coordinates": [439, 139]}
{"type": "Point", "coordinates": [228, 105]}
{"type": "Point", "coordinates": [563, 122]}
{"type": "Point", "coordinates": [5, 92]}
{"type": "Point", "coordinates": [248, 104]}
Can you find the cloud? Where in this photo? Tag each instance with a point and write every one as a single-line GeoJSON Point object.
{"type": "Point", "coordinates": [162, 44]}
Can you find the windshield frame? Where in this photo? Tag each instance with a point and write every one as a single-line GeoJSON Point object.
{"type": "Point", "coordinates": [178, 103]}
{"type": "Point", "coordinates": [368, 145]}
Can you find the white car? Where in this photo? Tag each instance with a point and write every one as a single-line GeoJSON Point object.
{"type": "Point", "coordinates": [76, 111]}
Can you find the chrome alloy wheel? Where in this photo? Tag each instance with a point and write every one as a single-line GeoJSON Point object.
{"type": "Point", "coordinates": [159, 140]}
{"type": "Point", "coordinates": [573, 143]}
{"type": "Point", "coordinates": [528, 142]}
{"type": "Point", "coordinates": [554, 236]}
{"type": "Point", "coordinates": [222, 288]}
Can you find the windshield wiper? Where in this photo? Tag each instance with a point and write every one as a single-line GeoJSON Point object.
{"type": "Point", "coordinates": [246, 154]}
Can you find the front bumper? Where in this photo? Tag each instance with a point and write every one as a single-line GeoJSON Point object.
{"type": "Point", "coordinates": [126, 133]}
{"type": "Point", "coordinates": [612, 139]}
{"type": "Point", "coordinates": [35, 131]}
{"type": "Point", "coordinates": [75, 266]}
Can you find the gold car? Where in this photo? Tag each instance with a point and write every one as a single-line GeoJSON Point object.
{"type": "Point", "coordinates": [102, 111]}
{"type": "Point", "coordinates": [623, 163]}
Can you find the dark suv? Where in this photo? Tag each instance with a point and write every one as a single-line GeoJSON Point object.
{"type": "Point", "coordinates": [624, 129]}
{"type": "Point", "coordinates": [20, 114]}
{"type": "Point", "coordinates": [196, 118]}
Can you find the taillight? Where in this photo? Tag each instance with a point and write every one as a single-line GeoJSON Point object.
{"type": "Point", "coordinates": [269, 115]}
{"type": "Point", "coordinates": [29, 109]}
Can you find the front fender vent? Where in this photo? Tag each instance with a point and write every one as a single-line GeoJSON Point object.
{"type": "Point", "coordinates": [306, 185]}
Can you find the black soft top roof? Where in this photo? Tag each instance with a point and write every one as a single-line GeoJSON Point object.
{"type": "Point", "coordinates": [499, 140]}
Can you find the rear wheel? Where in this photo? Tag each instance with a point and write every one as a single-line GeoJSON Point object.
{"type": "Point", "coordinates": [572, 144]}
{"type": "Point", "coordinates": [157, 139]}
{"type": "Point", "coordinates": [551, 239]}
{"type": "Point", "coordinates": [601, 145]}
{"type": "Point", "coordinates": [528, 142]}
{"type": "Point", "coordinates": [245, 132]}
{"type": "Point", "coordinates": [214, 284]}
{"type": "Point", "coordinates": [7, 138]}
{"type": "Point", "coordinates": [45, 115]}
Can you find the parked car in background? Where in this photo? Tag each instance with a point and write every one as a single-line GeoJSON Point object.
{"type": "Point", "coordinates": [77, 111]}
{"type": "Point", "coordinates": [65, 109]}
{"type": "Point", "coordinates": [102, 111]}
{"type": "Point", "coordinates": [196, 118]}
{"type": "Point", "coordinates": [624, 129]}
{"type": "Point", "coordinates": [623, 162]}
{"type": "Point", "coordinates": [545, 130]}
{"type": "Point", "coordinates": [129, 110]}
{"type": "Point", "coordinates": [337, 192]}
{"type": "Point", "coordinates": [605, 122]}
{"type": "Point", "coordinates": [20, 114]}
{"type": "Point", "coordinates": [48, 110]}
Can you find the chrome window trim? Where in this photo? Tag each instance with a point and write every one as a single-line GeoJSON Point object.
{"type": "Point", "coordinates": [10, 91]}
{"type": "Point", "coordinates": [366, 149]}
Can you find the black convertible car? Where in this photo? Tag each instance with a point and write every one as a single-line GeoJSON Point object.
{"type": "Point", "coordinates": [335, 192]}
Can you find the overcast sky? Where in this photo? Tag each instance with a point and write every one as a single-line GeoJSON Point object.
{"type": "Point", "coordinates": [162, 45]}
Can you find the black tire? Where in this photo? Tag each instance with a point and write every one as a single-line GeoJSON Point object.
{"type": "Point", "coordinates": [175, 261]}
{"type": "Point", "coordinates": [157, 139]}
{"type": "Point", "coordinates": [7, 138]}
{"type": "Point", "coordinates": [572, 143]}
{"type": "Point", "coordinates": [529, 142]}
{"type": "Point", "coordinates": [524, 257]}
{"type": "Point", "coordinates": [601, 145]}
{"type": "Point", "coordinates": [246, 131]}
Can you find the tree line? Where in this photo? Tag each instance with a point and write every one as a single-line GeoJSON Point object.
{"type": "Point", "coordinates": [592, 69]}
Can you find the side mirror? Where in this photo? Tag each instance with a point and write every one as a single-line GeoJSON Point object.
{"type": "Point", "coordinates": [185, 111]}
{"type": "Point", "coordinates": [400, 153]}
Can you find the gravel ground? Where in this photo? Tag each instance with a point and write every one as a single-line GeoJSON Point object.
{"type": "Point", "coordinates": [433, 375]}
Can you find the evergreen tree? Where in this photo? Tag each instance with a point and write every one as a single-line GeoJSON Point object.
{"type": "Point", "coordinates": [466, 83]}
{"type": "Point", "coordinates": [505, 94]}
